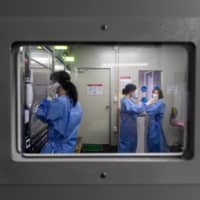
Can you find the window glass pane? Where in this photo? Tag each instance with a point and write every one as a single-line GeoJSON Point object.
{"type": "Point", "coordinates": [120, 99]}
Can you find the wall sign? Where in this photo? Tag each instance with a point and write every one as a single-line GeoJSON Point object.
{"type": "Point", "coordinates": [124, 80]}
{"type": "Point", "coordinates": [94, 89]}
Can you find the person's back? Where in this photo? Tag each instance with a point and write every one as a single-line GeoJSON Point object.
{"type": "Point", "coordinates": [63, 120]}
{"type": "Point", "coordinates": [73, 126]}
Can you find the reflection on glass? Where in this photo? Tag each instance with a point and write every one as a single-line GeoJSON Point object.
{"type": "Point", "coordinates": [103, 98]}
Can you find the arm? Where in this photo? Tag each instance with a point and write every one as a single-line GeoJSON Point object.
{"type": "Point", "coordinates": [155, 108]}
{"type": "Point", "coordinates": [50, 111]}
{"type": "Point", "coordinates": [132, 107]}
{"type": "Point", "coordinates": [42, 110]}
{"type": "Point", "coordinates": [58, 117]}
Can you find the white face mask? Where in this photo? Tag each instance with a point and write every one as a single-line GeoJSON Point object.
{"type": "Point", "coordinates": [51, 82]}
{"type": "Point", "coordinates": [155, 96]}
{"type": "Point", "coordinates": [52, 90]}
{"type": "Point", "coordinates": [56, 84]}
{"type": "Point", "coordinates": [134, 96]}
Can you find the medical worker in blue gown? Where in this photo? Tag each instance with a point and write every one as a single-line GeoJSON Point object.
{"type": "Point", "coordinates": [155, 108]}
{"type": "Point", "coordinates": [62, 112]}
{"type": "Point", "coordinates": [128, 125]}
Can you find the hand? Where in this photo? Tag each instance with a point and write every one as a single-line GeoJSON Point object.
{"type": "Point", "coordinates": [35, 109]}
{"type": "Point", "coordinates": [52, 90]}
{"type": "Point", "coordinates": [151, 101]}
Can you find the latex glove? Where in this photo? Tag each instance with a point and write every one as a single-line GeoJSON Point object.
{"type": "Point", "coordinates": [52, 90]}
{"type": "Point", "coordinates": [35, 108]}
{"type": "Point", "coordinates": [151, 101]}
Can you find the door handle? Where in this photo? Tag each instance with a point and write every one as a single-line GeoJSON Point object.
{"type": "Point", "coordinates": [107, 106]}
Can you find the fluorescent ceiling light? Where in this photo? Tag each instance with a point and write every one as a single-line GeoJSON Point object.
{"type": "Point", "coordinates": [59, 67]}
{"type": "Point", "coordinates": [60, 47]}
{"type": "Point", "coordinates": [21, 48]}
{"type": "Point", "coordinates": [68, 58]}
{"type": "Point", "coordinates": [39, 47]}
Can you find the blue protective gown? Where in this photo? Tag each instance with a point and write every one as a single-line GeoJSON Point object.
{"type": "Point", "coordinates": [63, 123]}
{"type": "Point", "coordinates": [128, 127]}
{"type": "Point", "coordinates": [156, 141]}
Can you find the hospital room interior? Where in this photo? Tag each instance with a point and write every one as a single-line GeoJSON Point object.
{"type": "Point", "coordinates": [100, 72]}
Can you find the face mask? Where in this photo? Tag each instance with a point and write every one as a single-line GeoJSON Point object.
{"type": "Point", "coordinates": [56, 85]}
{"type": "Point", "coordinates": [155, 96]}
{"type": "Point", "coordinates": [52, 90]}
{"type": "Point", "coordinates": [135, 95]}
{"type": "Point", "coordinates": [51, 82]}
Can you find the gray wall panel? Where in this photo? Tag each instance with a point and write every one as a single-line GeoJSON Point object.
{"type": "Point", "coordinates": [181, 8]}
{"type": "Point", "coordinates": [120, 192]}
{"type": "Point", "coordinates": [11, 172]}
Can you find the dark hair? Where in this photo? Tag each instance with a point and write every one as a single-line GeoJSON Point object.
{"type": "Point", "coordinates": [71, 90]}
{"type": "Point", "coordinates": [160, 93]}
{"type": "Point", "coordinates": [60, 76]}
{"type": "Point", "coordinates": [129, 88]}
{"type": "Point", "coordinates": [63, 78]}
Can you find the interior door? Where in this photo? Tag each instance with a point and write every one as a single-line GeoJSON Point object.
{"type": "Point", "coordinates": [94, 96]}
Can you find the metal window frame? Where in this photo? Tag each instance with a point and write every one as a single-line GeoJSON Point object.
{"type": "Point", "coordinates": [122, 170]}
